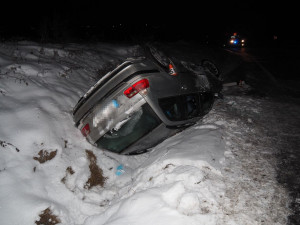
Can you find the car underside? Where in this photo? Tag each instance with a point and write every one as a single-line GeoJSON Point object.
{"type": "Point", "coordinates": [143, 101]}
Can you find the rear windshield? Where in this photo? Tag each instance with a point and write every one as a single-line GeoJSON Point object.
{"type": "Point", "coordinates": [138, 125]}
{"type": "Point", "coordinates": [184, 107]}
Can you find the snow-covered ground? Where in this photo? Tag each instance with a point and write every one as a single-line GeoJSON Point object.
{"type": "Point", "coordinates": [220, 171]}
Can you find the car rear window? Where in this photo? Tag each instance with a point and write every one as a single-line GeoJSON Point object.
{"type": "Point", "coordinates": [136, 126]}
{"type": "Point", "coordinates": [184, 107]}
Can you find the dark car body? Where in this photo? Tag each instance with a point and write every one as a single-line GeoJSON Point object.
{"type": "Point", "coordinates": [143, 101]}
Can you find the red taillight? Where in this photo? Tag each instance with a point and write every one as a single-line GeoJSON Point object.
{"type": "Point", "coordinates": [85, 130]}
{"type": "Point", "coordinates": [172, 71]}
{"type": "Point", "coordinates": [136, 88]}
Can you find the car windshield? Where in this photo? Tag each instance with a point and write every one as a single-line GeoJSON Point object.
{"type": "Point", "coordinates": [138, 125]}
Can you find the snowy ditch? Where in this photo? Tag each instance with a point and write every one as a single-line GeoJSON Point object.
{"type": "Point", "coordinates": [219, 171]}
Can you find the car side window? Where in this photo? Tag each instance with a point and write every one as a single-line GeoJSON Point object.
{"type": "Point", "coordinates": [184, 107]}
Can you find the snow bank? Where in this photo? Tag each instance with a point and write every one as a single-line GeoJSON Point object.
{"type": "Point", "coordinates": [199, 176]}
{"type": "Point", "coordinates": [178, 181]}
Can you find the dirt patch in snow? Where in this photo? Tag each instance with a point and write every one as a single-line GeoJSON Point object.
{"type": "Point", "coordinates": [70, 171]}
{"type": "Point", "coordinates": [96, 178]}
{"type": "Point", "coordinates": [45, 156]}
{"type": "Point", "coordinates": [5, 144]}
{"type": "Point", "coordinates": [47, 218]}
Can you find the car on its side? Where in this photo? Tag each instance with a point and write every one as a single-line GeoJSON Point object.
{"type": "Point", "coordinates": [145, 100]}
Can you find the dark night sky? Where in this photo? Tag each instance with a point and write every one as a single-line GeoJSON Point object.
{"type": "Point", "coordinates": [88, 18]}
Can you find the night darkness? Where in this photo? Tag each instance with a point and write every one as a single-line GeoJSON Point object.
{"type": "Point", "coordinates": [260, 121]}
{"type": "Point", "coordinates": [98, 21]}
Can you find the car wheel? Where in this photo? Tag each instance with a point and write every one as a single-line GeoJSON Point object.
{"type": "Point", "coordinates": [159, 56]}
{"type": "Point", "coordinates": [211, 67]}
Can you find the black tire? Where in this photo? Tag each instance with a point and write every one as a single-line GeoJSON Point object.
{"type": "Point", "coordinates": [160, 57]}
{"type": "Point", "coordinates": [211, 67]}
{"type": "Point", "coordinates": [157, 55]}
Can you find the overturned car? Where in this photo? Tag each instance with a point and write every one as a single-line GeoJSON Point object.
{"type": "Point", "coordinates": [145, 100]}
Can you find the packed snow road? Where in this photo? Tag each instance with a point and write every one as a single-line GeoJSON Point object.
{"type": "Point", "coordinates": [273, 72]}
{"type": "Point", "coordinates": [222, 170]}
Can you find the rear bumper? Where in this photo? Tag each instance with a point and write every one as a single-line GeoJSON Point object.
{"type": "Point", "coordinates": [108, 84]}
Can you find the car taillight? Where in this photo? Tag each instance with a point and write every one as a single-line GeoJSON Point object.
{"type": "Point", "coordinates": [86, 130]}
{"type": "Point", "coordinates": [136, 88]}
{"type": "Point", "coordinates": [172, 71]}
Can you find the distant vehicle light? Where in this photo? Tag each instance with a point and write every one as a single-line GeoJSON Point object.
{"type": "Point", "coordinates": [243, 40]}
{"type": "Point", "coordinates": [231, 41]}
